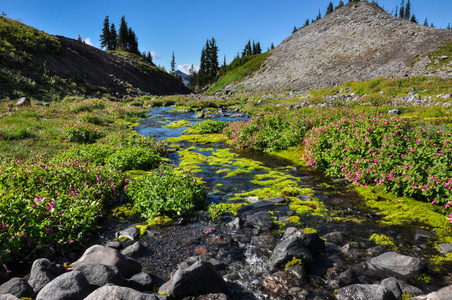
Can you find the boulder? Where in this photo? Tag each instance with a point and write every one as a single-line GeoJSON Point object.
{"type": "Point", "coordinates": [24, 101]}
{"type": "Point", "coordinates": [100, 275]}
{"type": "Point", "coordinates": [406, 267]}
{"type": "Point", "coordinates": [199, 279]}
{"type": "Point", "coordinates": [134, 251]}
{"type": "Point", "coordinates": [132, 233]}
{"type": "Point", "coordinates": [398, 287]}
{"type": "Point", "coordinates": [365, 292]}
{"type": "Point", "coordinates": [42, 272]}
{"type": "Point", "coordinates": [287, 250]}
{"type": "Point", "coordinates": [113, 292]}
{"type": "Point", "coordinates": [212, 297]}
{"type": "Point", "coordinates": [71, 286]}
{"type": "Point", "coordinates": [445, 248]}
{"type": "Point", "coordinates": [8, 297]}
{"type": "Point", "coordinates": [201, 115]}
{"type": "Point", "coordinates": [140, 282]}
{"type": "Point", "coordinates": [98, 254]}
{"type": "Point", "coordinates": [394, 112]}
{"type": "Point", "coordinates": [17, 287]}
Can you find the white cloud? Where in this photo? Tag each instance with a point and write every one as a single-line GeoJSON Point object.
{"type": "Point", "coordinates": [88, 41]}
{"type": "Point", "coordinates": [186, 68]}
{"type": "Point", "coordinates": [154, 55]}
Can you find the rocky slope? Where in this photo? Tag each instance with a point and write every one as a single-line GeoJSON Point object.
{"type": "Point", "coordinates": [356, 42]}
{"type": "Point", "coordinates": [120, 75]}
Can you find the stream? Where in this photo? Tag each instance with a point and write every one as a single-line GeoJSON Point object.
{"type": "Point", "coordinates": [240, 247]}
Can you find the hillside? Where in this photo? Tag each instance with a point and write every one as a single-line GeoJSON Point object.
{"type": "Point", "coordinates": [39, 65]}
{"type": "Point", "coordinates": [356, 42]}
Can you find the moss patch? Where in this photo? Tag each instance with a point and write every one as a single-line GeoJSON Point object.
{"type": "Point", "coordinates": [198, 138]}
{"type": "Point", "coordinates": [293, 154]}
{"type": "Point", "coordinates": [383, 240]}
{"type": "Point", "coordinates": [177, 124]}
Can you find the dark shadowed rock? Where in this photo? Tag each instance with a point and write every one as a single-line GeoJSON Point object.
{"type": "Point", "coordinates": [114, 245]}
{"type": "Point", "coordinates": [42, 272]}
{"type": "Point", "coordinates": [209, 297]}
{"type": "Point", "coordinates": [287, 250]}
{"type": "Point", "coordinates": [18, 287]}
{"type": "Point", "coordinates": [113, 292]}
{"type": "Point", "coordinates": [398, 287]}
{"type": "Point", "coordinates": [406, 267]}
{"type": "Point", "coordinates": [423, 236]}
{"type": "Point", "coordinates": [314, 243]}
{"type": "Point", "coordinates": [140, 282]}
{"type": "Point", "coordinates": [69, 286]}
{"type": "Point", "coordinates": [100, 275]}
{"type": "Point", "coordinates": [98, 254]}
{"type": "Point", "coordinates": [365, 292]}
{"type": "Point", "coordinates": [198, 279]}
{"type": "Point", "coordinates": [135, 250]}
{"type": "Point", "coordinates": [335, 237]}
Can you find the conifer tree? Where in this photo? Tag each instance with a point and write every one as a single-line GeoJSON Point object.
{"type": "Point", "coordinates": [272, 46]}
{"type": "Point", "coordinates": [294, 29]}
{"type": "Point", "coordinates": [426, 22]}
{"type": "Point", "coordinates": [105, 36]}
{"type": "Point", "coordinates": [306, 23]}
{"type": "Point", "coordinates": [402, 10]}
{"type": "Point", "coordinates": [173, 65]}
{"type": "Point", "coordinates": [408, 10]}
{"type": "Point", "coordinates": [132, 41]}
{"type": "Point", "coordinates": [319, 16]}
{"type": "Point", "coordinates": [149, 57]}
{"type": "Point", "coordinates": [341, 3]}
{"type": "Point", "coordinates": [113, 37]}
{"type": "Point", "coordinates": [123, 35]}
{"type": "Point", "coordinates": [247, 51]}
{"type": "Point", "coordinates": [413, 18]}
{"type": "Point", "coordinates": [329, 9]}
{"type": "Point", "coordinates": [448, 26]}
{"type": "Point", "coordinates": [396, 11]}
{"type": "Point", "coordinates": [257, 49]}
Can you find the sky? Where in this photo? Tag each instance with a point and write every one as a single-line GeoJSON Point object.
{"type": "Point", "coordinates": [183, 27]}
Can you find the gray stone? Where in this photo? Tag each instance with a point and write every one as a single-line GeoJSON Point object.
{"type": "Point", "coordinates": [238, 115]}
{"type": "Point", "coordinates": [69, 286]}
{"type": "Point", "coordinates": [235, 224]}
{"type": "Point", "coordinates": [252, 199]}
{"type": "Point", "coordinates": [135, 250]}
{"type": "Point", "coordinates": [398, 287]}
{"type": "Point", "coordinates": [113, 292]}
{"type": "Point", "coordinates": [218, 296]}
{"type": "Point", "coordinates": [201, 115]}
{"type": "Point", "coordinates": [405, 266]}
{"type": "Point", "coordinates": [304, 197]}
{"type": "Point", "coordinates": [140, 282]}
{"type": "Point", "coordinates": [443, 57]}
{"type": "Point", "coordinates": [24, 101]}
{"type": "Point", "coordinates": [423, 236]}
{"type": "Point", "coordinates": [350, 251]}
{"type": "Point", "coordinates": [335, 237]}
{"type": "Point", "coordinates": [114, 245]}
{"type": "Point", "coordinates": [365, 292]}
{"type": "Point", "coordinates": [42, 272]}
{"type": "Point", "coordinates": [445, 293]}
{"type": "Point", "coordinates": [17, 287]}
{"type": "Point", "coordinates": [199, 279]}
{"type": "Point", "coordinates": [132, 233]}
{"type": "Point", "coordinates": [100, 275]}
{"type": "Point", "coordinates": [8, 297]}
{"type": "Point", "coordinates": [445, 248]}
{"type": "Point", "coordinates": [288, 249]}
{"type": "Point", "coordinates": [394, 112]}
{"type": "Point", "coordinates": [314, 243]}
{"type": "Point", "coordinates": [98, 254]}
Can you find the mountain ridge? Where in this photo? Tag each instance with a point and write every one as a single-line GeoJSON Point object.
{"type": "Point", "coordinates": [359, 41]}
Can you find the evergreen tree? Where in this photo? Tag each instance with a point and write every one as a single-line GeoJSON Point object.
{"type": "Point", "coordinates": [396, 11]}
{"type": "Point", "coordinates": [173, 65]}
{"type": "Point", "coordinates": [113, 37]}
{"type": "Point", "coordinates": [149, 57]}
{"type": "Point", "coordinates": [306, 23]}
{"type": "Point", "coordinates": [448, 26]}
{"type": "Point", "coordinates": [257, 49]}
{"type": "Point", "coordinates": [341, 3]}
{"type": "Point", "coordinates": [408, 10]}
{"type": "Point", "coordinates": [132, 41]}
{"type": "Point", "coordinates": [319, 16]}
{"type": "Point", "coordinates": [272, 46]}
{"type": "Point", "coordinates": [192, 77]}
{"type": "Point", "coordinates": [402, 10]}
{"type": "Point", "coordinates": [426, 22]}
{"type": "Point", "coordinates": [247, 51]}
{"type": "Point", "coordinates": [294, 29]}
{"type": "Point", "coordinates": [123, 35]}
{"type": "Point", "coordinates": [208, 70]}
{"type": "Point", "coordinates": [329, 9]}
{"type": "Point", "coordinates": [105, 36]}
{"type": "Point", "coordinates": [413, 19]}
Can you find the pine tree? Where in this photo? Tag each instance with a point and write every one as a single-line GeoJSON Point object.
{"type": "Point", "coordinates": [329, 9]}
{"type": "Point", "coordinates": [247, 51]}
{"type": "Point", "coordinates": [149, 57]}
{"type": "Point", "coordinates": [123, 35]}
{"type": "Point", "coordinates": [173, 65]}
{"type": "Point", "coordinates": [408, 10]}
{"type": "Point", "coordinates": [294, 29]}
{"type": "Point", "coordinates": [448, 26]}
{"type": "Point", "coordinates": [132, 41]}
{"type": "Point", "coordinates": [105, 36]}
{"type": "Point", "coordinates": [272, 46]}
{"type": "Point", "coordinates": [319, 16]}
{"type": "Point", "coordinates": [426, 22]}
{"type": "Point", "coordinates": [341, 3]}
{"type": "Point", "coordinates": [413, 19]}
{"type": "Point", "coordinates": [113, 37]}
{"type": "Point", "coordinates": [306, 23]}
{"type": "Point", "coordinates": [396, 11]}
{"type": "Point", "coordinates": [402, 10]}
{"type": "Point", "coordinates": [258, 48]}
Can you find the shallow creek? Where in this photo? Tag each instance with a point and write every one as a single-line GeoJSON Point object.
{"type": "Point", "coordinates": [241, 254]}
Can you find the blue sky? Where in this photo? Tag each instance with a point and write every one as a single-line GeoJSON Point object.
{"type": "Point", "coordinates": [184, 26]}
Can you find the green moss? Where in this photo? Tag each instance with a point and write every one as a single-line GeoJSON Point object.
{"type": "Point", "coordinates": [190, 160]}
{"type": "Point", "coordinates": [441, 263]}
{"type": "Point", "coordinates": [294, 220]}
{"type": "Point", "coordinates": [308, 230]}
{"type": "Point", "coordinates": [177, 124]}
{"type": "Point", "coordinates": [155, 221]}
{"type": "Point", "coordinates": [293, 154]}
{"type": "Point", "coordinates": [198, 138]}
{"type": "Point", "coordinates": [123, 211]}
{"type": "Point", "coordinates": [383, 240]}
{"type": "Point", "coordinates": [313, 207]}
{"type": "Point", "coordinates": [216, 210]}
{"type": "Point", "coordinates": [293, 262]}
{"type": "Point", "coordinates": [422, 279]}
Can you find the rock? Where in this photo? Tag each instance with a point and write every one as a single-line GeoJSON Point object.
{"type": "Point", "coordinates": [365, 292]}
{"type": "Point", "coordinates": [98, 254]}
{"type": "Point", "coordinates": [17, 287]}
{"type": "Point", "coordinates": [348, 277]}
{"type": "Point", "coordinates": [114, 245]}
{"type": "Point", "coordinates": [405, 266]}
{"type": "Point", "coordinates": [24, 101]}
{"type": "Point", "coordinates": [72, 286]}
{"type": "Point", "coordinates": [304, 197]}
{"type": "Point", "coordinates": [445, 293]}
{"type": "Point", "coordinates": [445, 248]}
{"type": "Point", "coordinates": [398, 287]}
{"type": "Point", "coordinates": [8, 297]}
{"type": "Point", "coordinates": [314, 243]}
{"type": "Point", "coordinates": [291, 232]}
{"type": "Point", "coordinates": [235, 224]}
{"type": "Point", "coordinates": [132, 233]}
{"type": "Point", "coordinates": [423, 236]}
{"type": "Point", "coordinates": [378, 250]}
{"type": "Point", "coordinates": [442, 57]}
{"type": "Point", "coordinates": [140, 282]}
{"type": "Point", "coordinates": [350, 251]}
{"type": "Point", "coordinates": [201, 115]}
{"type": "Point", "coordinates": [252, 199]}
{"type": "Point", "coordinates": [287, 250]}
{"type": "Point", "coordinates": [335, 237]}
{"type": "Point", "coordinates": [113, 292]}
{"type": "Point", "coordinates": [42, 272]}
{"type": "Point", "coordinates": [277, 285]}
{"type": "Point", "coordinates": [447, 104]}
{"type": "Point", "coordinates": [394, 112]}
{"type": "Point", "coordinates": [100, 275]}
{"type": "Point", "coordinates": [198, 279]}
{"type": "Point", "coordinates": [134, 251]}
{"type": "Point", "coordinates": [238, 115]}
{"type": "Point", "coordinates": [210, 297]}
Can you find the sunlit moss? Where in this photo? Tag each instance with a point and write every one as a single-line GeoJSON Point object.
{"type": "Point", "coordinates": [293, 154]}
{"type": "Point", "coordinates": [293, 262]}
{"type": "Point", "coordinates": [177, 124]}
{"type": "Point", "coordinates": [198, 138]}
{"type": "Point", "coordinates": [308, 230]}
{"type": "Point", "coordinates": [294, 220]}
{"type": "Point", "coordinates": [383, 240]}
{"type": "Point", "coordinates": [155, 221]}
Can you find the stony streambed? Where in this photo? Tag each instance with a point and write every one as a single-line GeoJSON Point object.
{"type": "Point", "coordinates": [318, 245]}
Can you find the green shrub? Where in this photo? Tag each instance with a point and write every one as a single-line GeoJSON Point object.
{"type": "Point", "coordinates": [210, 126]}
{"type": "Point", "coordinates": [81, 133]}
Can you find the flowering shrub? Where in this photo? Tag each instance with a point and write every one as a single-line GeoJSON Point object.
{"type": "Point", "coordinates": [81, 133]}
{"type": "Point", "coordinates": [48, 206]}
{"type": "Point", "coordinates": [411, 161]}
{"type": "Point", "coordinates": [166, 191]}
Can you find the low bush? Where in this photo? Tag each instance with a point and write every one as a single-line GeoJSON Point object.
{"type": "Point", "coordinates": [81, 133]}
{"type": "Point", "coordinates": [210, 126]}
